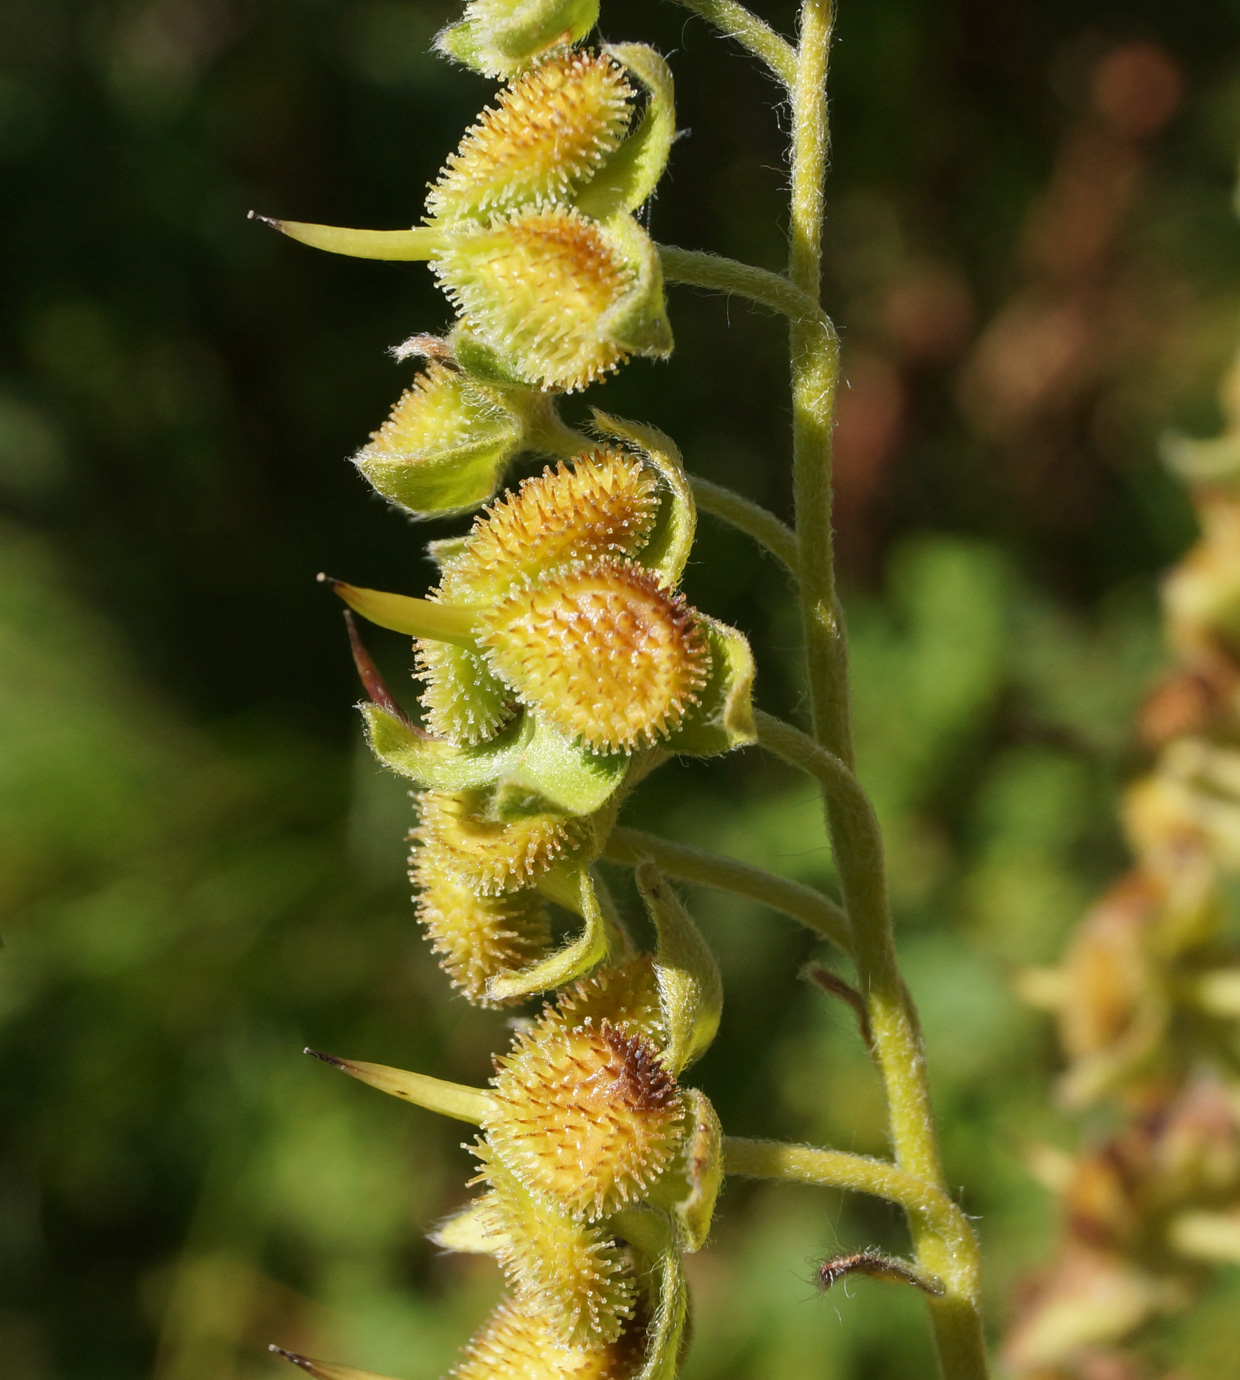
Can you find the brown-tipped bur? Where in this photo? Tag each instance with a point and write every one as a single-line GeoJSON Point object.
{"type": "Point", "coordinates": [602, 651]}
{"type": "Point", "coordinates": [448, 1099]}
{"type": "Point", "coordinates": [373, 683]}
{"type": "Point", "coordinates": [402, 614]}
{"type": "Point", "coordinates": [419, 243]}
{"type": "Point", "coordinates": [586, 1118]}
{"type": "Point", "coordinates": [326, 1370]}
{"type": "Point", "coordinates": [602, 503]}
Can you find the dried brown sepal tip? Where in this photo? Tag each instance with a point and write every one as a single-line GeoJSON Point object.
{"type": "Point", "coordinates": [602, 651]}
{"type": "Point", "coordinates": [372, 682]}
{"type": "Point", "coordinates": [477, 937]}
{"type": "Point", "coordinates": [549, 132]}
{"type": "Point", "coordinates": [587, 1118]}
{"type": "Point", "coordinates": [491, 856]}
{"type": "Point", "coordinates": [325, 1370]}
{"type": "Point", "coordinates": [875, 1265]}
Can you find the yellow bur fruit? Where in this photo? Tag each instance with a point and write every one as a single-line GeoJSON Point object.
{"type": "Point", "coordinates": [626, 994]}
{"type": "Point", "coordinates": [565, 1270]}
{"type": "Point", "coordinates": [586, 1118]}
{"type": "Point", "coordinates": [518, 1344]}
{"type": "Point", "coordinates": [491, 856]}
{"type": "Point", "coordinates": [605, 502]}
{"type": "Point", "coordinates": [551, 130]}
{"type": "Point", "coordinates": [477, 937]}
{"type": "Point", "coordinates": [444, 445]}
{"type": "Point", "coordinates": [602, 651]}
{"type": "Point", "coordinates": [464, 702]}
{"type": "Point", "coordinates": [564, 298]}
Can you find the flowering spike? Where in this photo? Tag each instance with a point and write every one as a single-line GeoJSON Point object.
{"type": "Point", "coordinates": [602, 651]}
{"type": "Point", "coordinates": [448, 1099]}
{"type": "Point", "coordinates": [563, 298]}
{"type": "Point", "coordinates": [422, 242]}
{"type": "Point", "coordinates": [549, 133]}
{"type": "Point", "coordinates": [500, 37]}
{"type": "Point", "coordinates": [445, 445]}
{"type": "Point", "coordinates": [631, 173]}
{"type": "Point", "coordinates": [690, 985]}
{"type": "Point", "coordinates": [568, 1272]}
{"type": "Point", "coordinates": [325, 1370]}
{"type": "Point", "coordinates": [587, 1118]}
{"type": "Point", "coordinates": [478, 938]}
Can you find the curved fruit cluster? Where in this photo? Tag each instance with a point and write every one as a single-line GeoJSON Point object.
{"type": "Point", "coordinates": [559, 664]}
{"type": "Point", "coordinates": [1147, 995]}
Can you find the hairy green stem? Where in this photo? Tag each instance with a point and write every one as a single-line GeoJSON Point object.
{"type": "Point", "coordinates": [750, 32]}
{"type": "Point", "coordinates": [770, 1159]}
{"type": "Point", "coordinates": [828, 755]}
{"type": "Point", "coordinates": [748, 517]}
{"type": "Point", "coordinates": [814, 910]}
{"type": "Point", "coordinates": [697, 268]}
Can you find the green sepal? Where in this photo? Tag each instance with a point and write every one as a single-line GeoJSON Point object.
{"type": "Point", "coordinates": [688, 978]}
{"type": "Point", "coordinates": [467, 1232]}
{"type": "Point", "coordinates": [501, 37]}
{"type": "Point", "coordinates": [639, 321]}
{"type": "Point", "coordinates": [667, 550]}
{"type": "Point", "coordinates": [484, 363]}
{"type": "Point", "coordinates": [531, 767]}
{"type": "Point", "coordinates": [723, 717]}
{"type": "Point", "coordinates": [551, 772]}
{"type": "Point", "coordinates": [652, 1234]}
{"type": "Point", "coordinates": [630, 175]}
{"type": "Point", "coordinates": [690, 1188]}
{"type": "Point", "coordinates": [574, 960]}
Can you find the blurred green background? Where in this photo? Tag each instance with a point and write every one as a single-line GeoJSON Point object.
{"type": "Point", "coordinates": [1034, 262]}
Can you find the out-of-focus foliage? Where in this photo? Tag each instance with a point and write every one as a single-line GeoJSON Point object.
{"type": "Point", "coordinates": [200, 873]}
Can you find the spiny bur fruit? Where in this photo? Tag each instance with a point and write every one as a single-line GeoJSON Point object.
{"type": "Point", "coordinates": [602, 651]}
{"type": "Point", "coordinates": [587, 1117]}
{"type": "Point", "coordinates": [500, 37]}
{"type": "Point", "coordinates": [548, 134]}
{"type": "Point", "coordinates": [603, 502]}
{"type": "Point", "coordinates": [626, 994]}
{"type": "Point", "coordinates": [464, 702]}
{"type": "Point", "coordinates": [477, 937]}
{"type": "Point", "coordinates": [490, 856]}
{"type": "Point", "coordinates": [563, 298]}
{"type": "Point", "coordinates": [517, 1344]}
{"type": "Point", "coordinates": [569, 1272]}
{"type": "Point", "coordinates": [444, 446]}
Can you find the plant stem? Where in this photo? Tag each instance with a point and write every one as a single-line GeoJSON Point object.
{"type": "Point", "coordinates": [855, 837]}
{"type": "Point", "coordinates": [770, 1159]}
{"type": "Point", "coordinates": [802, 903]}
{"type": "Point", "coordinates": [748, 517]}
{"type": "Point", "coordinates": [697, 268]}
{"type": "Point", "coordinates": [750, 32]}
